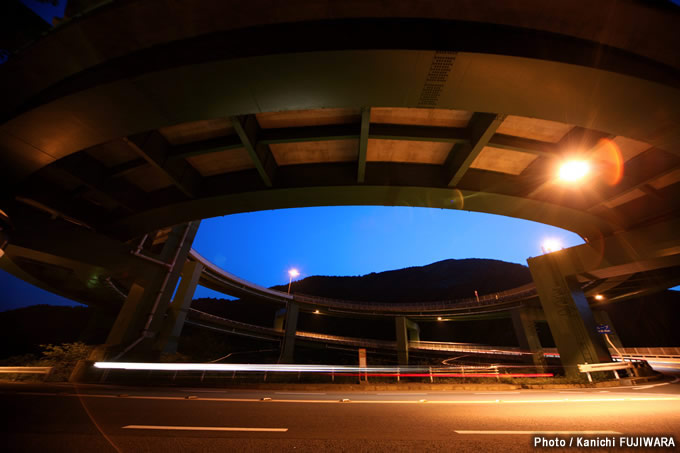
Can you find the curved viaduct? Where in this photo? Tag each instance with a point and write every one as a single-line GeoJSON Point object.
{"type": "Point", "coordinates": [134, 119]}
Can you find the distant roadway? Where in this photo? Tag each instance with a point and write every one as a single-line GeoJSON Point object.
{"type": "Point", "coordinates": [66, 418]}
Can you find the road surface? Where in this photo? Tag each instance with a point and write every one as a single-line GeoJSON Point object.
{"type": "Point", "coordinates": [66, 418]}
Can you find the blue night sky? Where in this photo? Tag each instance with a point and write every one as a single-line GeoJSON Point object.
{"type": "Point", "coordinates": [46, 10]}
{"type": "Point", "coordinates": [349, 240]}
{"type": "Point", "coordinates": [357, 240]}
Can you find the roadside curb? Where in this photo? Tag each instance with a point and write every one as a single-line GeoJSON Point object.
{"type": "Point", "coordinates": [401, 387]}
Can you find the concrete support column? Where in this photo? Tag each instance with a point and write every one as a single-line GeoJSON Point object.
{"type": "Point", "coordinates": [288, 345]}
{"type": "Point", "coordinates": [524, 322]}
{"type": "Point", "coordinates": [413, 330]}
{"type": "Point", "coordinates": [568, 314]}
{"type": "Point", "coordinates": [177, 312]}
{"type": "Point", "coordinates": [279, 318]}
{"type": "Point", "coordinates": [121, 331]}
{"type": "Point", "coordinates": [141, 317]}
{"type": "Point", "coordinates": [401, 326]}
{"type": "Point", "coordinates": [602, 317]}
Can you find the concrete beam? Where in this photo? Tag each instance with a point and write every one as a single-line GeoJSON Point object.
{"type": "Point", "coordinates": [481, 128]}
{"type": "Point", "coordinates": [363, 144]}
{"type": "Point", "coordinates": [64, 244]}
{"type": "Point", "coordinates": [156, 150]}
{"type": "Point", "coordinates": [246, 128]}
{"type": "Point", "coordinates": [96, 176]}
{"type": "Point", "coordinates": [646, 248]}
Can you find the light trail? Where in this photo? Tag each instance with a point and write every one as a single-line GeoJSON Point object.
{"type": "Point", "coordinates": [327, 369]}
{"type": "Point", "coordinates": [205, 428]}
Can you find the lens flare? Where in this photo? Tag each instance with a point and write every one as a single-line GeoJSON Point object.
{"type": "Point", "coordinates": [574, 170]}
{"type": "Point", "coordinates": [551, 245]}
{"type": "Point", "coordinates": [609, 161]}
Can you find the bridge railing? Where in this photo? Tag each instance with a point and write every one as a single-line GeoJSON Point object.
{"type": "Point", "coordinates": [465, 347]}
{"type": "Point", "coordinates": [664, 352]}
{"type": "Point", "coordinates": [471, 302]}
{"type": "Point", "coordinates": [199, 315]}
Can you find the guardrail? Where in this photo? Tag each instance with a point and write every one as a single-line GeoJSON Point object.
{"type": "Point", "coordinates": [46, 370]}
{"type": "Point", "coordinates": [612, 366]}
{"type": "Point", "coordinates": [501, 297]}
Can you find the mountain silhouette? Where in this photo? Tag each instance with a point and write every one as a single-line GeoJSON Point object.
{"type": "Point", "coordinates": [448, 279]}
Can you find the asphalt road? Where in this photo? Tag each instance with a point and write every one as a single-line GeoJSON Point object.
{"type": "Point", "coordinates": [64, 418]}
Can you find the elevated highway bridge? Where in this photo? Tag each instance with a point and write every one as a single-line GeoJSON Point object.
{"type": "Point", "coordinates": [132, 120]}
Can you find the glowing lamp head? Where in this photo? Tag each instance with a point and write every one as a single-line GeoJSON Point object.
{"type": "Point", "coordinates": [551, 245]}
{"type": "Point", "coordinates": [316, 312]}
{"type": "Point", "coordinates": [574, 170]}
{"type": "Point", "coordinates": [599, 297]}
{"type": "Point", "coordinates": [293, 273]}
{"type": "Point", "coordinates": [439, 318]}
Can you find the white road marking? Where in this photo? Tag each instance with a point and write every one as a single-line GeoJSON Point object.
{"type": "Point", "coordinates": [656, 385]}
{"type": "Point", "coordinates": [572, 392]}
{"type": "Point", "coordinates": [205, 428]}
{"type": "Point", "coordinates": [563, 433]}
{"type": "Point", "coordinates": [400, 393]}
{"type": "Point", "coordinates": [495, 393]}
{"type": "Point", "coordinates": [603, 399]}
{"type": "Point", "coordinates": [298, 393]}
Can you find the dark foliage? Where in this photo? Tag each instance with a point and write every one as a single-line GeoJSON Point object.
{"type": "Point", "coordinates": [22, 331]}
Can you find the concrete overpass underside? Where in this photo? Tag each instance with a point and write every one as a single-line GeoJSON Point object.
{"type": "Point", "coordinates": [128, 123]}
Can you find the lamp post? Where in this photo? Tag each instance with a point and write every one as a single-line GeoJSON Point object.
{"type": "Point", "coordinates": [292, 273]}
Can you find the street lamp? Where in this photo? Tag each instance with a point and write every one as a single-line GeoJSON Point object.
{"type": "Point", "coordinates": [551, 245]}
{"type": "Point", "coordinates": [292, 273]}
{"type": "Point", "coordinates": [573, 170]}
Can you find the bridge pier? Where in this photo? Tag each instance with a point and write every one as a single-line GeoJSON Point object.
{"type": "Point", "coordinates": [279, 318]}
{"type": "Point", "coordinates": [602, 317]}
{"type": "Point", "coordinates": [406, 330]}
{"type": "Point", "coordinates": [568, 314]}
{"type": "Point", "coordinates": [524, 321]}
{"type": "Point", "coordinates": [288, 345]}
{"type": "Point", "coordinates": [177, 312]}
{"type": "Point", "coordinates": [140, 319]}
